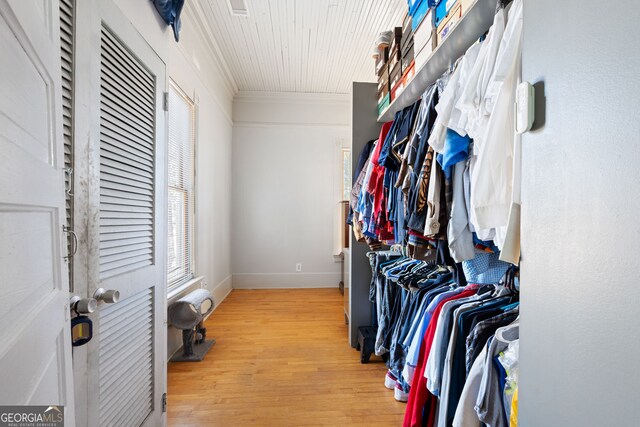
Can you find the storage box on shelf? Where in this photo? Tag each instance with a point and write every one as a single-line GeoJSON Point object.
{"type": "Point", "coordinates": [394, 76]}
{"type": "Point", "coordinates": [412, 6]}
{"type": "Point", "coordinates": [407, 58]}
{"type": "Point", "coordinates": [444, 7]}
{"type": "Point", "coordinates": [476, 20]}
{"type": "Point", "coordinates": [406, 47]}
{"type": "Point", "coordinates": [383, 87]}
{"type": "Point", "coordinates": [409, 73]}
{"type": "Point", "coordinates": [421, 11]}
{"type": "Point", "coordinates": [406, 23]}
{"type": "Point", "coordinates": [383, 79]}
{"type": "Point", "coordinates": [384, 103]}
{"type": "Point", "coordinates": [382, 60]}
{"type": "Point", "coordinates": [395, 54]}
{"type": "Point", "coordinates": [396, 41]}
{"type": "Point", "coordinates": [395, 58]}
{"type": "Point", "coordinates": [424, 40]}
{"type": "Point", "coordinates": [397, 89]}
{"type": "Point", "coordinates": [449, 22]}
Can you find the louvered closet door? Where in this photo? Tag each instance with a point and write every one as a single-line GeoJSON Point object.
{"type": "Point", "coordinates": [127, 355]}
{"type": "Point", "coordinates": [67, 19]}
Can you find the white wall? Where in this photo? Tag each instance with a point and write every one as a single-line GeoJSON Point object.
{"type": "Point", "coordinates": [192, 64]}
{"type": "Point", "coordinates": [287, 178]}
{"type": "Point", "coordinates": [579, 349]}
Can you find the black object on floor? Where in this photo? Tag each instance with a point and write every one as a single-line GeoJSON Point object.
{"type": "Point", "coordinates": [366, 342]}
{"type": "Point", "coordinates": [197, 354]}
{"type": "Point", "coordinates": [194, 345]}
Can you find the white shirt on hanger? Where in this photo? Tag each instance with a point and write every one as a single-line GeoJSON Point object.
{"type": "Point", "coordinates": [472, 97]}
{"type": "Point", "coordinates": [492, 175]}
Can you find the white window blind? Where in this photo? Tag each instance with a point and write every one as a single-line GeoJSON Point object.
{"type": "Point", "coordinates": [181, 187]}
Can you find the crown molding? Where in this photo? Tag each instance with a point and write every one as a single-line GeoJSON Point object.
{"type": "Point", "coordinates": [197, 16]}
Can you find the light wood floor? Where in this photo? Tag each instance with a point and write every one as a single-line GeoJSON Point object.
{"type": "Point", "coordinates": [281, 359]}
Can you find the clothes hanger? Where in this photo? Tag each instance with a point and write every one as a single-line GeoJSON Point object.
{"type": "Point", "coordinates": [483, 289]}
{"type": "Point", "coordinates": [502, 4]}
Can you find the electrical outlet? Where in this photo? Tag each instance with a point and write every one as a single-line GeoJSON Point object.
{"type": "Point", "coordinates": [299, 267]}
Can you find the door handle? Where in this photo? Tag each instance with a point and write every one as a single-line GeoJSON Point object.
{"type": "Point", "coordinates": [110, 296]}
{"type": "Point", "coordinates": [66, 229]}
{"type": "Point", "coordinates": [83, 305]}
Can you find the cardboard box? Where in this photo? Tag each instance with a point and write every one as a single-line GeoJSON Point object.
{"type": "Point", "coordinates": [396, 90]}
{"type": "Point", "coordinates": [383, 81]}
{"type": "Point", "coordinates": [394, 58]}
{"type": "Point", "coordinates": [425, 41]}
{"type": "Point", "coordinates": [406, 24]}
{"type": "Point", "coordinates": [404, 81]}
{"type": "Point", "coordinates": [384, 103]}
{"type": "Point", "coordinates": [384, 59]}
{"type": "Point", "coordinates": [394, 75]}
{"type": "Point", "coordinates": [383, 87]}
{"type": "Point", "coordinates": [396, 40]}
{"type": "Point", "coordinates": [407, 58]}
{"type": "Point", "coordinates": [420, 14]}
{"type": "Point", "coordinates": [409, 73]}
{"type": "Point", "coordinates": [424, 35]}
{"type": "Point", "coordinates": [415, 4]}
{"type": "Point", "coordinates": [407, 39]}
{"type": "Point", "coordinates": [445, 7]}
{"type": "Point", "coordinates": [382, 93]}
{"type": "Point", "coordinates": [406, 45]}
{"type": "Point", "coordinates": [449, 22]}
{"type": "Point", "coordinates": [420, 58]}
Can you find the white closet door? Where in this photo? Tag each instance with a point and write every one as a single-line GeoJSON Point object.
{"type": "Point", "coordinates": [35, 339]}
{"type": "Point", "coordinates": [66, 58]}
{"type": "Point", "coordinates": [126, 239]}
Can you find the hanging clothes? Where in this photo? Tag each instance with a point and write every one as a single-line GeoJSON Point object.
{"type": "Point", "coordinates": [492, 177]}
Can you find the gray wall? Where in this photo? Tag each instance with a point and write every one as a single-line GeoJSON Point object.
{"type": "Point", "coordinates": [580, 319]}
{"type": "Point", "coordinates": [364, 128]}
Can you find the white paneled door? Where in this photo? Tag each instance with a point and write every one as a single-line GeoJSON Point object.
{"type": "Point", "coordinates": [35, 339]}
{"type": "Point", "coordinates": [120, 205]}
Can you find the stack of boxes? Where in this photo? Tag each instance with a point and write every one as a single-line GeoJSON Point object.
{"type": "Point", "coordinates": [447, 14]}
{"type": "Point", "coordinates": [395, 60]}
{"type": "Point", "coordinates": [424, 31]}
{"type": "Point", "coordinates": [426, 25]}
{"type": "Point", "coordinates": [395, 65]}
{"type": "Point", "coordinates": [407, 43]}
{"type": "Point", "coordinates": [382, 70]}
{"type": "Point", "coordinates": [407, 69]}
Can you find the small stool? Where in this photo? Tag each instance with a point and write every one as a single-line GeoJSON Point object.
{"type": "Point", "coordinates": [366, 342]}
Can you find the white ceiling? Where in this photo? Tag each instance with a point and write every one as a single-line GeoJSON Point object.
{"type": "Point", "coordinates": [299, 45]}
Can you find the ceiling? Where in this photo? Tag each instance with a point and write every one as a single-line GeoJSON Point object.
{"type": "Point", "coordinates": [299, 45]}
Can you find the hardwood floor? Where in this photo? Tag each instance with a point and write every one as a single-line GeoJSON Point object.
{"type": "Point", "coordinates": [281, 359]}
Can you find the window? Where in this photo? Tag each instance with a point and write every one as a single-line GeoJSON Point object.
{"type": "Point", "coordinates": [346, 174]}
{"type": "Point", "coordinates": [181, 187]}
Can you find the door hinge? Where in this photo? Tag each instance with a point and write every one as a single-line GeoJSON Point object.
{"type": "Point", "coordinates": [164, 402]}
{"type": "Point", "coordinates": [165, 101]}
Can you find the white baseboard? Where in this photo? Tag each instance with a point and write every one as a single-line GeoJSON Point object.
{"type": "Point", "coordinates": [222, 290]}
{"type": "Point", "coordinates": [286, 280]}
